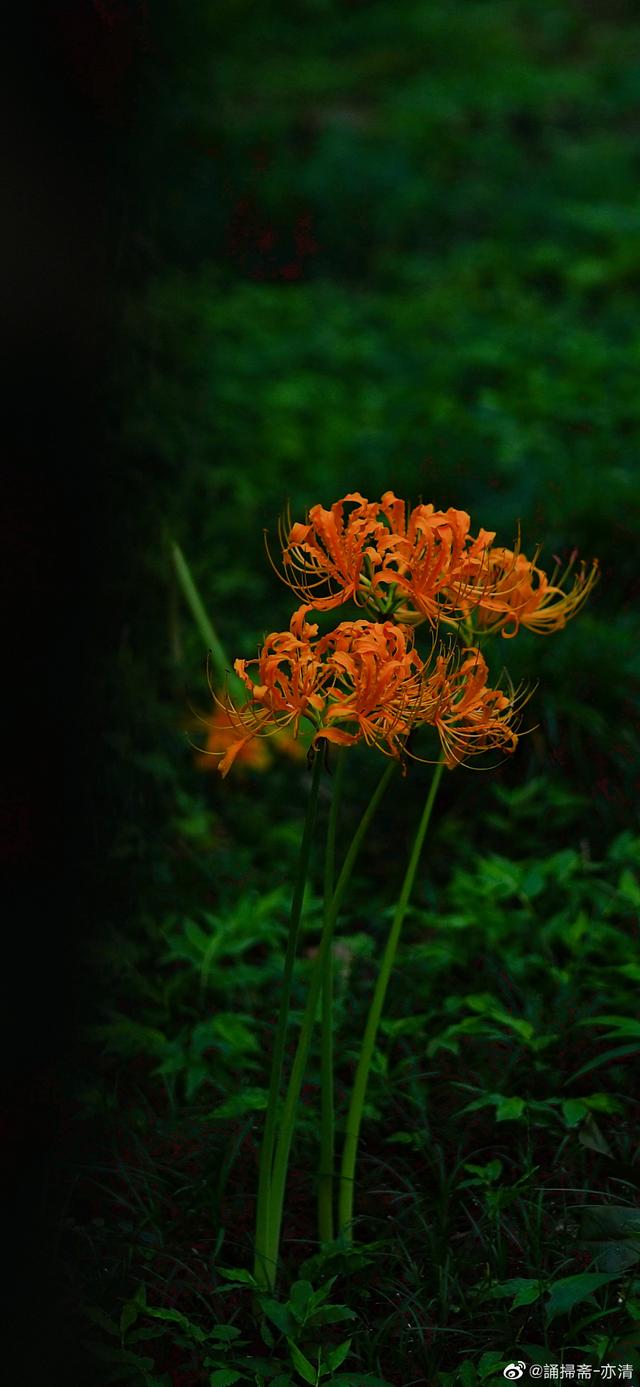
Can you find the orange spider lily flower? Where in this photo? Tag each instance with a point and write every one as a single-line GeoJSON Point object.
{"type": "Point", "coordinates": [254, 755]}
{"type": "Point", "coordinates": [473, 718]}
{"type": "Point", "coordinates": [518, 593]}
{"type": "Point", "coordinates": [331, 552]}
{"type": "Point", "coordinates": [431, 559]}
{"type": "Point", "coordinates": [417, 567]}
{"type": "Point", "coordinates": [378, 684]}
{"type": "Point", "coordinates": [221, 735]}
{"type": "Point", "coordinates": [285, 691]}
{"type": "Point", "coordinates": [363, 681]}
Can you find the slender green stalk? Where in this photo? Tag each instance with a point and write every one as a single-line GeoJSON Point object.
{"type": "Point", "coordinates": [283, 1147]}
{"type": "Point", "coordinates": [327, 1120]}
{"type": "Point", "coordinates": [268, 1139]}
{"type": "Point", "coordinates": [354, 1118]}
{"type": "Point", "coordinates": [199, 613]}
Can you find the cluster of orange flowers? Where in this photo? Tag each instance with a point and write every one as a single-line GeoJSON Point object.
{"type": "Point", "coordinates": [365, 680]}
{"type": "Point", "coordinates": [426, 566]}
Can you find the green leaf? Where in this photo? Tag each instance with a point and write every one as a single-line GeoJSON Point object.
{"type": "Point", "coordinates": [279, 1314]}
{"type": "Point", "coordinates": [527, 1295]}
{"type": "Point", "coordinates": [266, 1334]}
{"type": "Point", "coordinates": [300, 1297]}
{"type": "Point", "coordinates": [131, 1037]}
{"type": "Point", "coordinates": [484, 1102]}
{"type": "Point", "coordinates": [405, 1025]}
{"type": "Point", "coordinates": [629, 886]}
{"type": "Point", "coordinates": [622, 1026]}
{"type": "Point", "coordinates": [620, 1052]}
{"type": "Point", "coordinates": [225, 1377]}
{"type": "Point", "coordinates": [603, 1102]}
{"type": "Point", "coordinates": [176, 1317]}
{"type": "Point", "coordinates": [467, 1374]}
{"type": "Point", "coordinates": [129, 1315]}
{"type": "Point", "coordinates": [509, 1109]}
{"type": "Point", "coordinates": [612, 1234]}
{"type": "Point", "coordinates": [448, 1039]}
{"type": "Point", "coordinates": [533, 882]}
{"type": "Point", "coordinates": [338, 1354]}
{"type": "Point", "coordinates": [487, 1005]}
{"type": "Point", "coordinates": [196, 1076]}
{"type": "Point", "coordinates": [629, 970]}
{"type": "Point", "coordinates": [525, 1290]}
{"type": "Point", "coordinates": [591, 1136]}
{"type": "Point", "coordinates": [487, 1173]}
{"type": "Point", "coordinates": [609, 1220]}
{"type": "Point", "coordinates": [225, 1029]}
{"type": "Point", "coordinates": [322, 1293]}
{"type": "Point", "coordinates": [302, 1364]}
{"type": "Point", "coordinates": [225, 1332]}
{"type": "Point", "coordinates": [238, 1274]}
{"type": "Point", "coordinates": [573, 1111]}
{"type": "Point", "coordinates": [572, 1290]}
{"type": "Point", "coordinates": [175, 1061]}
{"type": "Point", "coordinates": [329, 1314]}
{"type": "Point", "coordinates": [142, 1336]}
{"type": "Point", "coordinates": [487, 1362]}
{"type": "Point", "coordinates": [196, 935]}
{"type": "Point", "coordinates": [247, 1100]}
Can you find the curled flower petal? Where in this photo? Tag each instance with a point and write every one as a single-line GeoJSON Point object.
{"type": "Point", "coordinates": [519, 593]}
{"type": "Point", "coordinates": [224, 747]}
{"type": "Point", "coordinates": [472, 717]}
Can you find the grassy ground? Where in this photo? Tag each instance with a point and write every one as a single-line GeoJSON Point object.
{"type": "Point", "coordinates": [376, 249]}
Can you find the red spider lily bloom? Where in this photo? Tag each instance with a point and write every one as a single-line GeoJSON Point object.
{"type": "Point", "coordinates": [378, 685]}
{"type": "Point", "coordinates": [430, 560]}
{"type": "Point", "coordinates": [331, 552]}
{"type": "Point", "coordinates": [286, 689]}
{"type": "Point", "coordinates": [363, 681]}
{"type": "Point", "coordinates": [417, 567]}
{"type": "Point", "coordinates": [518, 593]}
{"type": "Point", "coordinates": [472, 718]}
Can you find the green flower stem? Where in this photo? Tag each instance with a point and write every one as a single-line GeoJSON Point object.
{"type": "Point", "coordinates": [281, 1159]}
{"type": "Point", "coordinates": [327, 1121]}
{"type": "Point", "coordinates": [268, 1139]}
{"type": "Point", "coordinates": [354, 1118]}
{"type": "Point", "coordinates": [198, 611]}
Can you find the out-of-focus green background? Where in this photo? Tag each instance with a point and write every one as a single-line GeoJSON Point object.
{"type": "Point", "coordinates": [372, 246]}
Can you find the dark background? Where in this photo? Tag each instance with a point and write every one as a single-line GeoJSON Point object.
{"type": "Point", "coordinates": [59, 279]}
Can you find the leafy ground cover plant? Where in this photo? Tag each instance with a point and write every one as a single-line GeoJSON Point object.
{"type": "Point", "coordinates": [497, 1156]}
